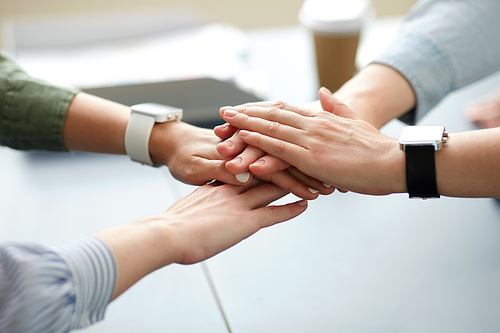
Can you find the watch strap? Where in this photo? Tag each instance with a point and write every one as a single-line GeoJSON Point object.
{"type": "Point", "coordinates": [137, 137]}
{"type": "Point", "coordinates": [421, 171]}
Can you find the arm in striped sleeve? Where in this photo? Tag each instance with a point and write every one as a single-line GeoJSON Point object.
{"type": "Point", "coordinates": [55, 289]}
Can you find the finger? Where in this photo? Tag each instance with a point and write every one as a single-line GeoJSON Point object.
{"type": "Point", "coordinates": [224, 131]}
{"type": "Point", "coordinates": [302, 110]}
{"type": "Point", "coordinates": [275, 129]}
{"type": "Point", "coordinates": [262, 195]}
{"type": "Point", "coordinates": [217, 170]}
{"type": "Point", "coordinates": [331, 104]}
{"type": "Point", "coordinates": [271, 215]}
{"type": "Point", "coordinates": [288, 182]}
{"type": "Point", "coordinates": [312, 183]}
{"type": "Point", "coordinates": [267, 165]}
{"type": "Point", "coordinates": [241, 162]}
{"type": "Point", "coordinates": [282, 116]}
{"type": "Point", "coordinates": [231, 147]}
{"type": "Point", "coordinates": [287, 151]}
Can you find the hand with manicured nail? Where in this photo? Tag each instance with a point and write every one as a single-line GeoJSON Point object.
{"type": "Point", "coordinates": [210, 220]}
{"type": "Point", "coordinates": [191, 155]}
{"type": "Point", "coordinates": [334, 146]}
{"type": "Point", "coordinates": [265, 167]}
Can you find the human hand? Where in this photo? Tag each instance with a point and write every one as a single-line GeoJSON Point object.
{"type": "Point", "coordinates": [245, 158]}
{"type": "Point", "coordinates": [208, 221]}
{"type": "Point", "coordinates": [334, 146]}
{"type": "Point", "coordinates": [191, 155]}
{"type": "Point", "coordinates": [243, 155]}
{"type": "Point", "coordinates": [216, 217]}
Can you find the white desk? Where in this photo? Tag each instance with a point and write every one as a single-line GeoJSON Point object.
{"type": "Point", "coordinates": [355, 263]}
{"type": "Point", "coordinates": [351, 263]}
{"type": "Point", "coordinates": [54, 198]}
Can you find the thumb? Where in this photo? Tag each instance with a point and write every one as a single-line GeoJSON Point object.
{"type": "Point", "coordinates": [330, 104]}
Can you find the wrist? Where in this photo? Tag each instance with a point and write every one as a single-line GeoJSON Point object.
{"type": "Point", "coordinates": [396, 167]}
{"type": "Point", "coordinates": [139, 248]}
{"type": "Point", "coordinates": [164, 140]}
{"type": "Point", "coordinates": [378, 94]}
{"type": "Point", "coordinates": [163, 248]}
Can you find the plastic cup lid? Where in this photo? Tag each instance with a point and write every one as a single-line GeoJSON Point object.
{"type": "Point", "coordinates": [334, 16]}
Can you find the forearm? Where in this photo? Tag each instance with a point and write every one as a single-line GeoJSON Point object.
{"type": "Point", "coordinates": [378, 94]}
{"type": "Point", "coordinates": [427, 61]}
{"type": "Point", "coordinates": [80, 276]}
{"type": "Point", "coordinates": [139, 248]}
{"type": "Point", "coordinates": [468, 164]}
{"type": "Point", "coordinates": [95, 124]}
{"type": "Point", "coordinates": [98, 125]}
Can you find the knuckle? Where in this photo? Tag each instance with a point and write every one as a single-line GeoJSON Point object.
{"type": "Point", "coordinates": [281, 104]}
{"type": "Point", "coordinates": [279, 146]}
{"type": "Point", "coordinates": [274, 112]}
{"type": "Point", "coordinates": [220, 170]}
{"type": "Point", "coordinates": [323, 123]}
{"type": "Point", "coordinates": [274, 127]}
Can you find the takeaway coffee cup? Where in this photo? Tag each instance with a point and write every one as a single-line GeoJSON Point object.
{"type": "Point", "coordinates": [336, 26]}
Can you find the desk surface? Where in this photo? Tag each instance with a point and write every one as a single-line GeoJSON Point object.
{"type": "Point", "coordinates": [351, 263]}
{"type": "Point", "coordinates": [354, 263]}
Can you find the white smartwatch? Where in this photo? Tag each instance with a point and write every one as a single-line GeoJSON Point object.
{"type": "Point", "coordinates": [142, 119]}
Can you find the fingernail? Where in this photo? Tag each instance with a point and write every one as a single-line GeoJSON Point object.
{"type": "Point", "coordinates": [243, 177]}
{"type": "Point", "coordinates": [260, 162]}
{"type": "Point", "coordinates": [327, 90]}
{"type": "Point", "coordinates": [226, 107]}
{"type": "Point", "coordinates": [238, 160]}
{"type": "Point", "coordinates": [327, 185]}
{"type": "Point", "coordinates": [229, 143]}
{"type": "Point", "coordinates": [230, 113]}
{"type": "Point", "coordinates": [223, 126]}
{"type": "Point", "coordinates": [313, 191]}
{"type": "Point", "coordinates": [302, 203]}
{"type": "Point", "coordinates": [244, 133]}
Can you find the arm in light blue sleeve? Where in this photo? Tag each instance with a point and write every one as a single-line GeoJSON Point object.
{"type": "Point", "coordinates": [445, 45]}
{"type": "Point", "coordinates": [54, 289]}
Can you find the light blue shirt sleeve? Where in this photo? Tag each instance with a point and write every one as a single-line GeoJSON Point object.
{"type": "Point", "coordinates": [444, 45]}
{"type": "Point", "coordinates": [55, 289]}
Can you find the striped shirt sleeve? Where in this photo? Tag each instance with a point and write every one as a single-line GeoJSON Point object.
{"type": "Point", "coordinates": [55, 289]}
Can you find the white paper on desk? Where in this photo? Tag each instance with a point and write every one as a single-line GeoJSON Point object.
{"type": "Point", "coordinates": [212, 50]}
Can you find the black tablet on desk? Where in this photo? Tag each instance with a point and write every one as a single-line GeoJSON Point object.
{"type": "Point", "coordinates": [200, 99]}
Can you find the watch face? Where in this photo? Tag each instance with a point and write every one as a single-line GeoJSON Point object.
{"type": "Point", "coordinates": [152, 109]}
{"type": "Point", "coordinates": [160, 112]}
{"type": "Point", "coordinates": [421, 134]}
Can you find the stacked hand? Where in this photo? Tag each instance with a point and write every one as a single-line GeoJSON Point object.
{"type": "Point", "coordinates": [208, 221]}
{"type": "Point", "coordinates": [191, 155]}
{"type": "Point", "coordinates": [332, 145]}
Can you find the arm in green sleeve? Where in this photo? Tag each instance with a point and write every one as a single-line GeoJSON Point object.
{"type": "Point", "coordinates": [32, 111]}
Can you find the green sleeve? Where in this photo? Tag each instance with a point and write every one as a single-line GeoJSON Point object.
{"type": "Point", "coordinates": [32, 111]}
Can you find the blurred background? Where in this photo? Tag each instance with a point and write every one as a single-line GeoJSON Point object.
{"type": "Point", "coordinates": [243, 14]}
{"type": "Point", "coordinates": [131, 51]}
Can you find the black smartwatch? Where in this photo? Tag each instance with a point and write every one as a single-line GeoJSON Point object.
{"type": "Point", "coordinates": [420, 144]}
